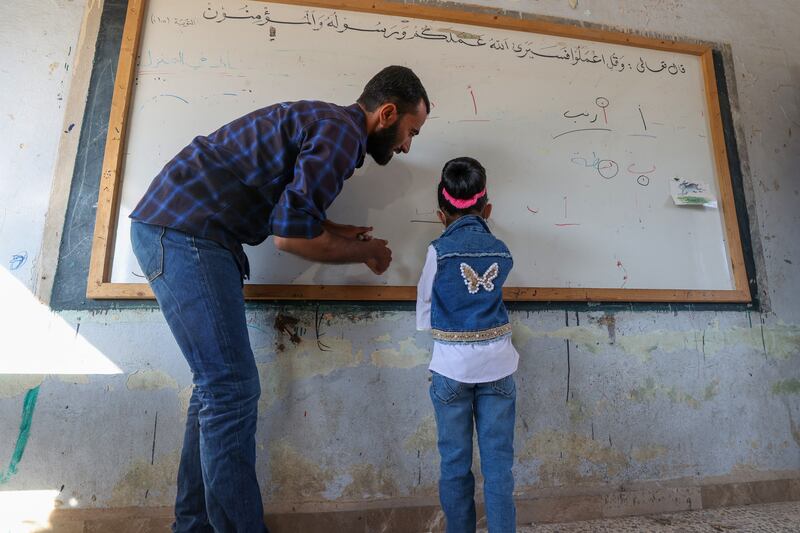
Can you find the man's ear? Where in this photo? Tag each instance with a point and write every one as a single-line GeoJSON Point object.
{"type": "Point", "coordinates": [387, 114]}
{"type": "Point", "coordinates": [487, 211]}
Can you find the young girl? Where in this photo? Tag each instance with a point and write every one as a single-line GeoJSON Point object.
{"type": "Point", "coordinates": [460, 299]}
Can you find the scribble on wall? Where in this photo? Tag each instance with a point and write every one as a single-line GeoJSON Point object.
{"type": "Point", "coordinates": [28, 406]}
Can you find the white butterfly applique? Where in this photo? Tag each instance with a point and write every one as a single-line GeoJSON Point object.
{"type": "Point", "coordinates": [474, 281]}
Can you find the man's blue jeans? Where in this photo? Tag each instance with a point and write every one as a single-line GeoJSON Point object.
{"type": "Point", "coordinates": [199, 289]}
{"type": "Point", "coordinates": [492, 407]}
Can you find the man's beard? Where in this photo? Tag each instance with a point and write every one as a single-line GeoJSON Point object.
{"type": "Point", "coordinates": [381, 144]}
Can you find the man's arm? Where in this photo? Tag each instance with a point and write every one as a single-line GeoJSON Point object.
{"type": "Point", "coordinates": [298, 223]}
{"type": "Point", "coordinates": [331, 248]}
{"type": "Point", "coordinates": [347, 231]}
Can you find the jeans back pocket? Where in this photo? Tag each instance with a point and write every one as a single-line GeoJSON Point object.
{"type": "Point", "coordinates": [148, 246]}
{"type": "Point", "coordinates": [505, 386]}
{"type": "Point", "coordinates": [445, 389]}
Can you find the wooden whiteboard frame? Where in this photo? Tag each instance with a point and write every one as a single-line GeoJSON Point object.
{"type": "Point", "coordinates": [99, 285]}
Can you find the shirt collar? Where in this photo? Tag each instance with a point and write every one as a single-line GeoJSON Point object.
{"type": "Point", "coordinates": [360, 120]}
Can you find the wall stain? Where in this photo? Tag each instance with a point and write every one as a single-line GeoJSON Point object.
{"type": "Point", "coordinates": [74, 379]}
{"type": "Point", "coordinates": [786, 386]}
{"type": "Point", "coordinates": [645, 393]}
{"type": "Point", "coordinates": [424, 437]}
{"type": "Point", "coordinates": [148, 484]}
{"type": "Point", "coordinates": [648, 453]}
{"type": "Point", "coordinates": [13, 385]}
{"type": "Point", "coordinates": [184, 396]}
{"type": "Point", "coordinates": [779, 342]}
{"type": "Point", "coordinates": [568, 458]}
{"type": "Point", "coordinates": [287, 325]}
{"type": "Point", "coordinates": [521, 334]}
{"type": "Point", "coordinates": [745, 470]}
{"type": "Point", "coordinates": [712, 389]}
{"type": "Point", "coordinates": [650, 390]}
{"type": "Point", "coordinates": [370, 482]}
{"type": "Point", "coordinates": [577, 411]}
{"type": "Point", "coordinates": [293, 476]}
{"type": "Point", "coordinates": [150, 380]}
{"type": "Point", "coordinates": [304, 360]}
{"type": "Point", "coordinates": [793, 427]}
{"type": "Point", "coordinates": [610, 322]}
{"type": "Point", "coordinates": [409, 355]}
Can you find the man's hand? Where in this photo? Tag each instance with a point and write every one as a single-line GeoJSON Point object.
{"type": "Point", "coordinates": [380, 255]}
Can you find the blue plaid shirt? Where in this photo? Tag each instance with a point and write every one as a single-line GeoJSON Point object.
{"type": "Point", "coordinates": [274, 171]}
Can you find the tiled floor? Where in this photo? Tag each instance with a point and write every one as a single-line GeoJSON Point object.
{"type": "Point", "coordinates": [771, 518]}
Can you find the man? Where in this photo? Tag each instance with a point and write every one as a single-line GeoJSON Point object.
{"type": "Point", "coordinates": [272, 172]}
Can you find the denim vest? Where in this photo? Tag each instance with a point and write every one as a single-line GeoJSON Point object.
{"type": "Point", "coordinates": [467, 297]}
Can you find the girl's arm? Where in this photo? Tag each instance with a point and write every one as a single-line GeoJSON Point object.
{"type": "Point", "coordinates": [424, 290]}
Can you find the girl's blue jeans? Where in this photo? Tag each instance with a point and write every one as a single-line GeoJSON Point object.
{"type": "Point", "coordinates": [491, 406]}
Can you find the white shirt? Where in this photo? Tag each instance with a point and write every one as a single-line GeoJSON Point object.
{"type": "Point", "coordinates": [464, 362]}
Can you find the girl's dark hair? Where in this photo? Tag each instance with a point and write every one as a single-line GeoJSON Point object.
{"type": "Point", "coordinates": [395, 84]}
{"type": "Point", "coordinates": [463, 177]}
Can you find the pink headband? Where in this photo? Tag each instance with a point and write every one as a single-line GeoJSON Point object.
{"type": "Point", "coordinates": [463, 204]}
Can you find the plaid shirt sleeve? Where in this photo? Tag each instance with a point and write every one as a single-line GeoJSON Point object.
{"type": "Point", "coordinates": [328, 155]}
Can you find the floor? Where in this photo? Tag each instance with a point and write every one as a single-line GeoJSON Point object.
{"type": "Point", "coordinates": [773, 517]}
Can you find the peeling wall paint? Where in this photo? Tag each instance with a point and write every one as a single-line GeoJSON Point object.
{"type": "Point", "coordinates": [304, 360]}
{"type": "Point", "coordinates": [147, 483]}
{"type": "Point", "coordinates": [407, 355]}
{"type": "Point", "coordinates": [650, 391]}
{"type": "Point", "coordinates": [150, 380]}
{"type": "Point", "coordinates": [648, 453]}
{"type": "Point", "coordinates": [787, 386]}
{"type": "Point", "coordinates": [371, 482]}
{"type": "Point", "coordinates": [781, 341]}
{"type": "Point", "coordinates": [12, 385]}
{"type": "Point", "coordinates": [567, 458]}
{"type": "Point", "coordinates": [295, 476]}
{"type": "Point", "coordinates": [424, 438]}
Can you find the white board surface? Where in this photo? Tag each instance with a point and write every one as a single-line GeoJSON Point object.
{"type": "Point", "coordinates": [580, 139]}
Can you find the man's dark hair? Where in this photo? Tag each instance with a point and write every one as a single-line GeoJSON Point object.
{"type": "Point", "coordinates": [395, 84]}
{"type": "Point", "coordinates": [463, 177]}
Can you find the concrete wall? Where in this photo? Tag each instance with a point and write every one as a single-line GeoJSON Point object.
{"type": "Point", "coordinates": [92, 404]}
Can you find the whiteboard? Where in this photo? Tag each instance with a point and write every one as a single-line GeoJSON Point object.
{"type": "Point", "coordinates": [580, 139]}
